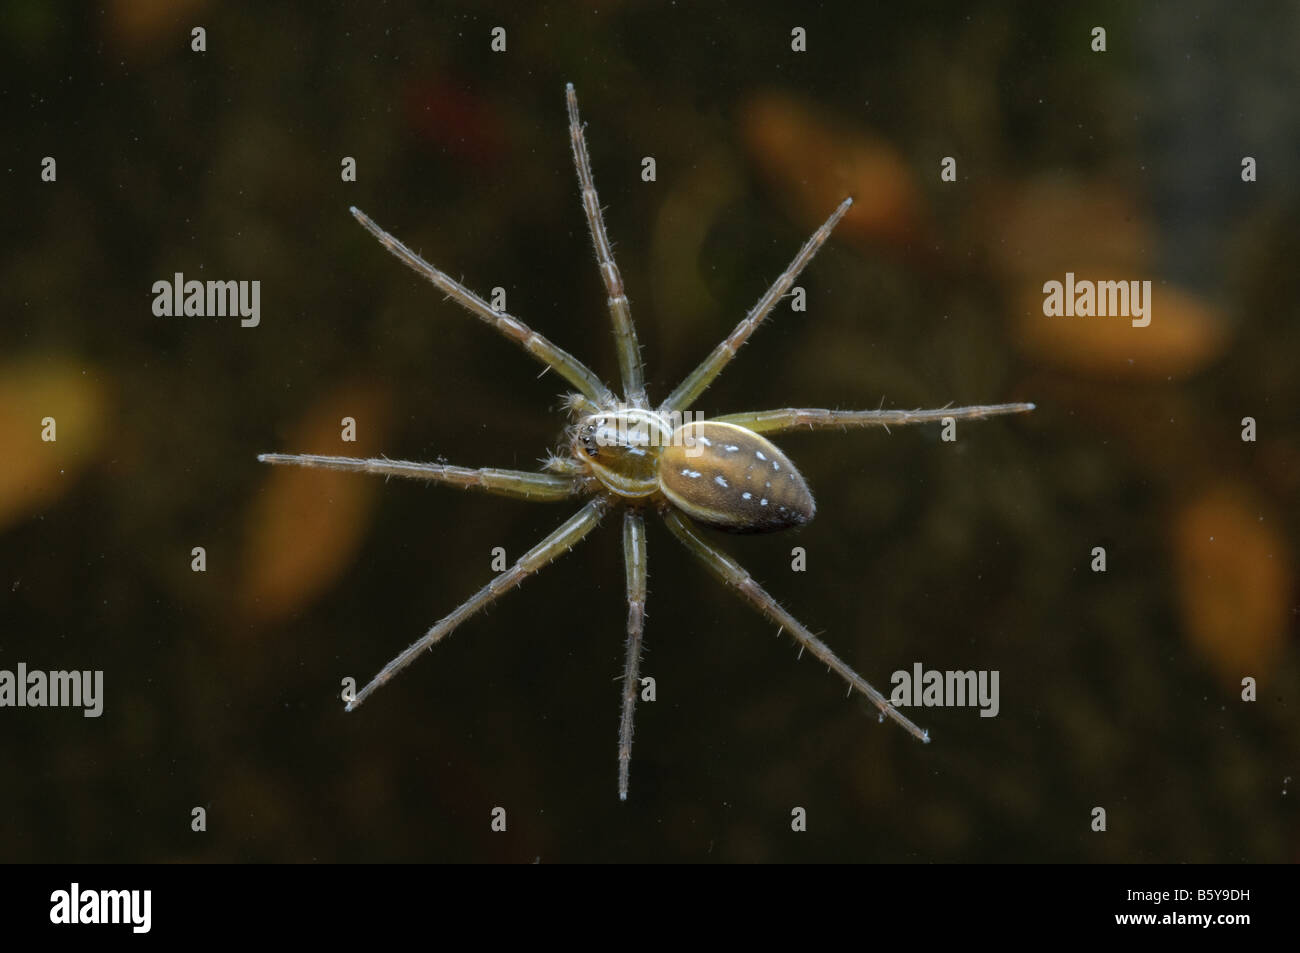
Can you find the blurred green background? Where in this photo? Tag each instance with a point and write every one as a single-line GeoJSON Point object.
{"type": "Point", "coordinates": [1120, 690]}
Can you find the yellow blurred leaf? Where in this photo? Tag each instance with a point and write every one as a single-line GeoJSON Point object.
{"type": "Point", "coordinates": [1234, 574]}
{"type": "Point", "coordinates": [35, 471]}
{"type": "Point", "coordinates": [305, 526]}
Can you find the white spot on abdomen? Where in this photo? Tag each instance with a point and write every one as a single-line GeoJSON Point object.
{"type": "Point", "coordinates": [721, 482]}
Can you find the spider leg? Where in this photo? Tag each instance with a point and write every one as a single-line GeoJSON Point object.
{"type": "Point", "coordinates": [732, 573]}
{"type": "Point", "coordinates": [547, 551]}
{"type": "Point", "coordinates": [517, 484]}
{"type": "Point", "coordinates": [634, 560]}
{"type": "Point", "coordinates": [562, 362]}
{"type": "Point", "coordinates": [808, 418]}
{"type": "Point", "coordinates": [689, 390]}
{"type": "Point", "coordinates": [629, 353]}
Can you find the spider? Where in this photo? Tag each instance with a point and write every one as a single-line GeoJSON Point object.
{"type": "Point", "coordinates": [633, 455]}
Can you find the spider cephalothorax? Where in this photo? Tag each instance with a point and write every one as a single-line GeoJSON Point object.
{"type": "Point", "coordinates": [722, 473]}
{"type": "Point", "coordinates": [622, 449]}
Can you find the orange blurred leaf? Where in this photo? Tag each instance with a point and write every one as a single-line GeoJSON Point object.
{"type": "Point", "coordinates": [1039, 230]}
{"type": "Point", "coordinates": [37, 471]}
{"type": "Point", "coordinates": [815, 165]}
{"type": "Point", "coordinates": [1234, 570]}
{"type": "Point", "coordinates": [153, 26]}
{"type": "Point", "coordinates": [306, 525]}
{"type": "Point", "coordinates": [1185, 333]}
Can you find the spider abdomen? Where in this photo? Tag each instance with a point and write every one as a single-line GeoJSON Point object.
{"type": "Point", "coordinates": [730, 478]}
